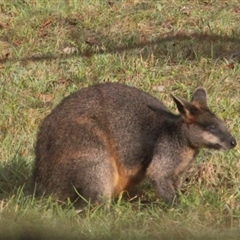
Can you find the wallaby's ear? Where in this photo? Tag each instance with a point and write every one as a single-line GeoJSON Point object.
{"type": "Point", "coordinates": [200, 97]}
{"type": "Point", "coordinates": [186, 109]}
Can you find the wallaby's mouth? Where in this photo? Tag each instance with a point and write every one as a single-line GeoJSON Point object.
{"type": "Point", "coordinates": [224, 146]}
{"type": "Point", "coordinates": [217, 147]}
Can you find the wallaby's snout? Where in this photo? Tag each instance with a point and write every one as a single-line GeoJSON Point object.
{"type": "Point", "coordinates": [232, 143]}
{"type": "Point", "coordinates": [226, 144]}
{"type": "Point", "coordinates": [217, 136]}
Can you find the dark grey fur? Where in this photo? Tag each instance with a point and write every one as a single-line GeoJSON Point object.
{"type": "Point", "coordinates": [103, 139]}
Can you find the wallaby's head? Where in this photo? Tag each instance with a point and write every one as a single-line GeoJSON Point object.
{"type": "Point", "coordinates": [202, 127]}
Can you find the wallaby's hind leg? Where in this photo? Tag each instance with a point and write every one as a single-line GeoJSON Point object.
{"type": "Point", "coordinates": [77, 159]}
{"type": "Point", "coordinates": [94, 178]}
{"type": "Point", "coordinates": [95, 167]}
{"type": "Point", "coordinates": [90, 176]}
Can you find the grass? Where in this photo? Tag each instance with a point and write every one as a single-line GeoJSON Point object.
{"type": "Point", "coordinates": [48, 49]}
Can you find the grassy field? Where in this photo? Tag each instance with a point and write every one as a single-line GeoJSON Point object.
{"type": "Point", "coordinates": [48, 49]}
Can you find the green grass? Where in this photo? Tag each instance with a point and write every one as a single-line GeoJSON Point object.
{"type": "Point", "coordinates": [174, 45]}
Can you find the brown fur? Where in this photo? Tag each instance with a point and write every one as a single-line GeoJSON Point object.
{"type": "Point", "coordinates": [187, 156]}
{"type": "Point", "coordinates": [104, 139]}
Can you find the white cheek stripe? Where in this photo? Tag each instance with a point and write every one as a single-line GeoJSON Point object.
{"type": "Point", "coordinates": [210, 138]}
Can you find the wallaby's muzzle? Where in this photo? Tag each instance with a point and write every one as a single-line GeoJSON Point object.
{"type": "Point", "coordinates": [233, 143]}
{"type": "Point", "coordinates": [227, 145]}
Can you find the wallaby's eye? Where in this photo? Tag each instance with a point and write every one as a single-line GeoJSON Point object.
{"type": "Point", "coordinates": [212, 128]}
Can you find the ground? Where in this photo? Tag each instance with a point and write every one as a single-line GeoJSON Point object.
{"type": "Point", "coordinates": [48, 49]}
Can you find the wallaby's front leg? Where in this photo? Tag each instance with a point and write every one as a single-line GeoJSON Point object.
{"type": "Point", "coordinates": [161, 174]}
{"type": "Point", "coordinates": [165, 188]}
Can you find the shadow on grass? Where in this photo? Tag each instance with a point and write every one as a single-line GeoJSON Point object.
{"type": "Point", "coordinates": [14, 174]}
{"type": "Point", "coordinates": [189, 46]}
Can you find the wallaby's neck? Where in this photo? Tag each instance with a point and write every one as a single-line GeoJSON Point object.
{"type": "Point", "coordinates": [184, 135]}
{"type": "Point", "coordinates": [179, 132]}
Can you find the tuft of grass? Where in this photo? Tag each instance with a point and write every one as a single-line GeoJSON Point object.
{"type": "Point", "coordinates": [49, 49]}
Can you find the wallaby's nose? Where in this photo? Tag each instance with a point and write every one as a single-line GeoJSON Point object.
{"type": "Point", "coordinates": [233, 143]}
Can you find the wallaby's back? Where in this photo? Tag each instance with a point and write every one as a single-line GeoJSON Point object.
{"type": "Point", "coordinates": [102, 139]}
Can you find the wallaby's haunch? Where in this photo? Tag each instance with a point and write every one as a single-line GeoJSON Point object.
{"type": "Point", "coordinates": [103, 139]}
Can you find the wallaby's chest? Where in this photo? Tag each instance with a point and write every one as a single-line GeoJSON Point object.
{"type": "Point", "coordinates": [186, 157]}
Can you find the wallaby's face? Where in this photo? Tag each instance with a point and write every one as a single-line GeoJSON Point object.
{"type": "Point", "coordinates": [209, 131]}
{"type": "Point", "coordinates": [202, 127]}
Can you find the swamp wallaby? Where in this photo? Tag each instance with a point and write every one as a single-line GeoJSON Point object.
{"type": "Point", "coordinates": [105, 138]}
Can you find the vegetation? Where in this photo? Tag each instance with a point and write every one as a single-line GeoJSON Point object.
{"type": "Point", "coordinates": [50, 48]}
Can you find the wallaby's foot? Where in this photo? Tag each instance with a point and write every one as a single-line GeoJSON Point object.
{"type": "Point", "coordinates": [166, 189]}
